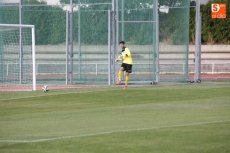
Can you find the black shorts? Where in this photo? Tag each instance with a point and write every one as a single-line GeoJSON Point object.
{"type": "Point", "coordinates": [127, 67]}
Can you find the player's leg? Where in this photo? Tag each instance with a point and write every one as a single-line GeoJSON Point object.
{"type": "Point", "coordinates": [126, 80]}
{"type": "Point", "coordinates": [128, 71]}
{"type": "Point", "coordinates": [120, 72]}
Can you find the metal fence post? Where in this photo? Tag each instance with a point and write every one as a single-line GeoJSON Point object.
{"type": "Point", "coordinates": [157, 77]}
{"type": "Point", "coordinates": [20, 44]}
{"type": "Point", "coordinates": [114, 38]}
{"type": "Point", "coordinates": [79, 39]}
{"type": "Point", "coordinates": [67, 46]}
{"type": "Point", "coordinates": [197, 77]}
{"type": "Point", "coordinates": [109, 47]}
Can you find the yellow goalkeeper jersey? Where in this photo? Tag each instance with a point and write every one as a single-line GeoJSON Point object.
{"type": "Point", "coordinates": [127, 56]}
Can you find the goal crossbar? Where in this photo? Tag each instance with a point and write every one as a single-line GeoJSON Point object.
{"type": "Point", "coordinates": [17, 25]}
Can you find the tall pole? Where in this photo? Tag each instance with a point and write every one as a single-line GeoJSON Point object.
{"type": "Point", "coordinates": [156, 56]}
{"type": "Point", "coordinates": [67, 46]}
{"type": "Point", "coordinates": [114, 48]}
{"type": "Point", "coordinates": [197, 76]}
{"type": "Point", "coordinates": [71, 41]}
{"type": "Point", "coordinates": [20, 44]}
{"type": "Point", "coordinates": [122, 19]}
{"type": "Point", "coordinates": [186, 57]}
{"type": "Point", "coordinates": [117, 21]}
{"type": "Point", "coordinates": [109, 47]}
{"type": "Point", "coordinates": [79, 39]}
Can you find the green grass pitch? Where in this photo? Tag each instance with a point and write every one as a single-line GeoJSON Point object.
{"type": "Point", "coordinates": [152, 119]}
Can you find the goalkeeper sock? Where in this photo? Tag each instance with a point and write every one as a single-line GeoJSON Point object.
{"type": "Point", "coordinates": [126, 79]}
{"type": "Point", "coordinates": [120, 75]}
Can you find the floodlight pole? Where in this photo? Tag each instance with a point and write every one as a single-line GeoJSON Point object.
{"type": "Point", "coordinates": [197, 76]}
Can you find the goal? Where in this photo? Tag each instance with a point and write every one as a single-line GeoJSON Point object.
{"type": "Point", "coordinates": [17, 57]}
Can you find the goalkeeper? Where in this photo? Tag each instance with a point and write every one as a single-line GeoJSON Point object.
{"type": "Point", "coordinates": [126, 65]}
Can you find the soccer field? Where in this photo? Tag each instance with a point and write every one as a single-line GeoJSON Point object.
{"type": "Point", "coordinates": [183, 118]}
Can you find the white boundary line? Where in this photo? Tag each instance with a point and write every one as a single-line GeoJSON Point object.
{"type": "Point", "coordinates": [109, 132]}
{"type": "Point", "coordinates": [63, 93]}
{"type": "Point", "coordinates": [109, 88]}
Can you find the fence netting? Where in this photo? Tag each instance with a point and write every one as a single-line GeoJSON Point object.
{"type": "Point", "coordinates": [136, 25]}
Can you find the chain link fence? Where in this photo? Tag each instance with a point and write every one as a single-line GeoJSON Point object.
{"type": "Point", "coordinates": [92, 31]}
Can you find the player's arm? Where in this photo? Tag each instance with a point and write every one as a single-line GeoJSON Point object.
{"type": "Point", "coordinates": [119, 57]}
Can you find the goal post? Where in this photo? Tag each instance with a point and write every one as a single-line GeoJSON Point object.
{"type": "Point", "coordinates": [17, 67]}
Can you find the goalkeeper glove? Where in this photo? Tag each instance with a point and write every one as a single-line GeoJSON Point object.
{"type": "Point", "coordinates": [119, 58]}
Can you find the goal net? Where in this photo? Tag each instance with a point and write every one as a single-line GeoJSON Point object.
{"type": "Point", "coordinates": [17, 57]}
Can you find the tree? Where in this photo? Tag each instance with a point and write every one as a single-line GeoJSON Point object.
{"type": "Point", "coordinates": [49, 22]}
{"type": "Point", "coordinates": [214, 31]}
{"type": "Point", "coordinates": [9, 14]}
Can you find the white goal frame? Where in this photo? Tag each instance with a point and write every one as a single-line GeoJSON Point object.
{"type": "Point", "coordinates": [19, 26]}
